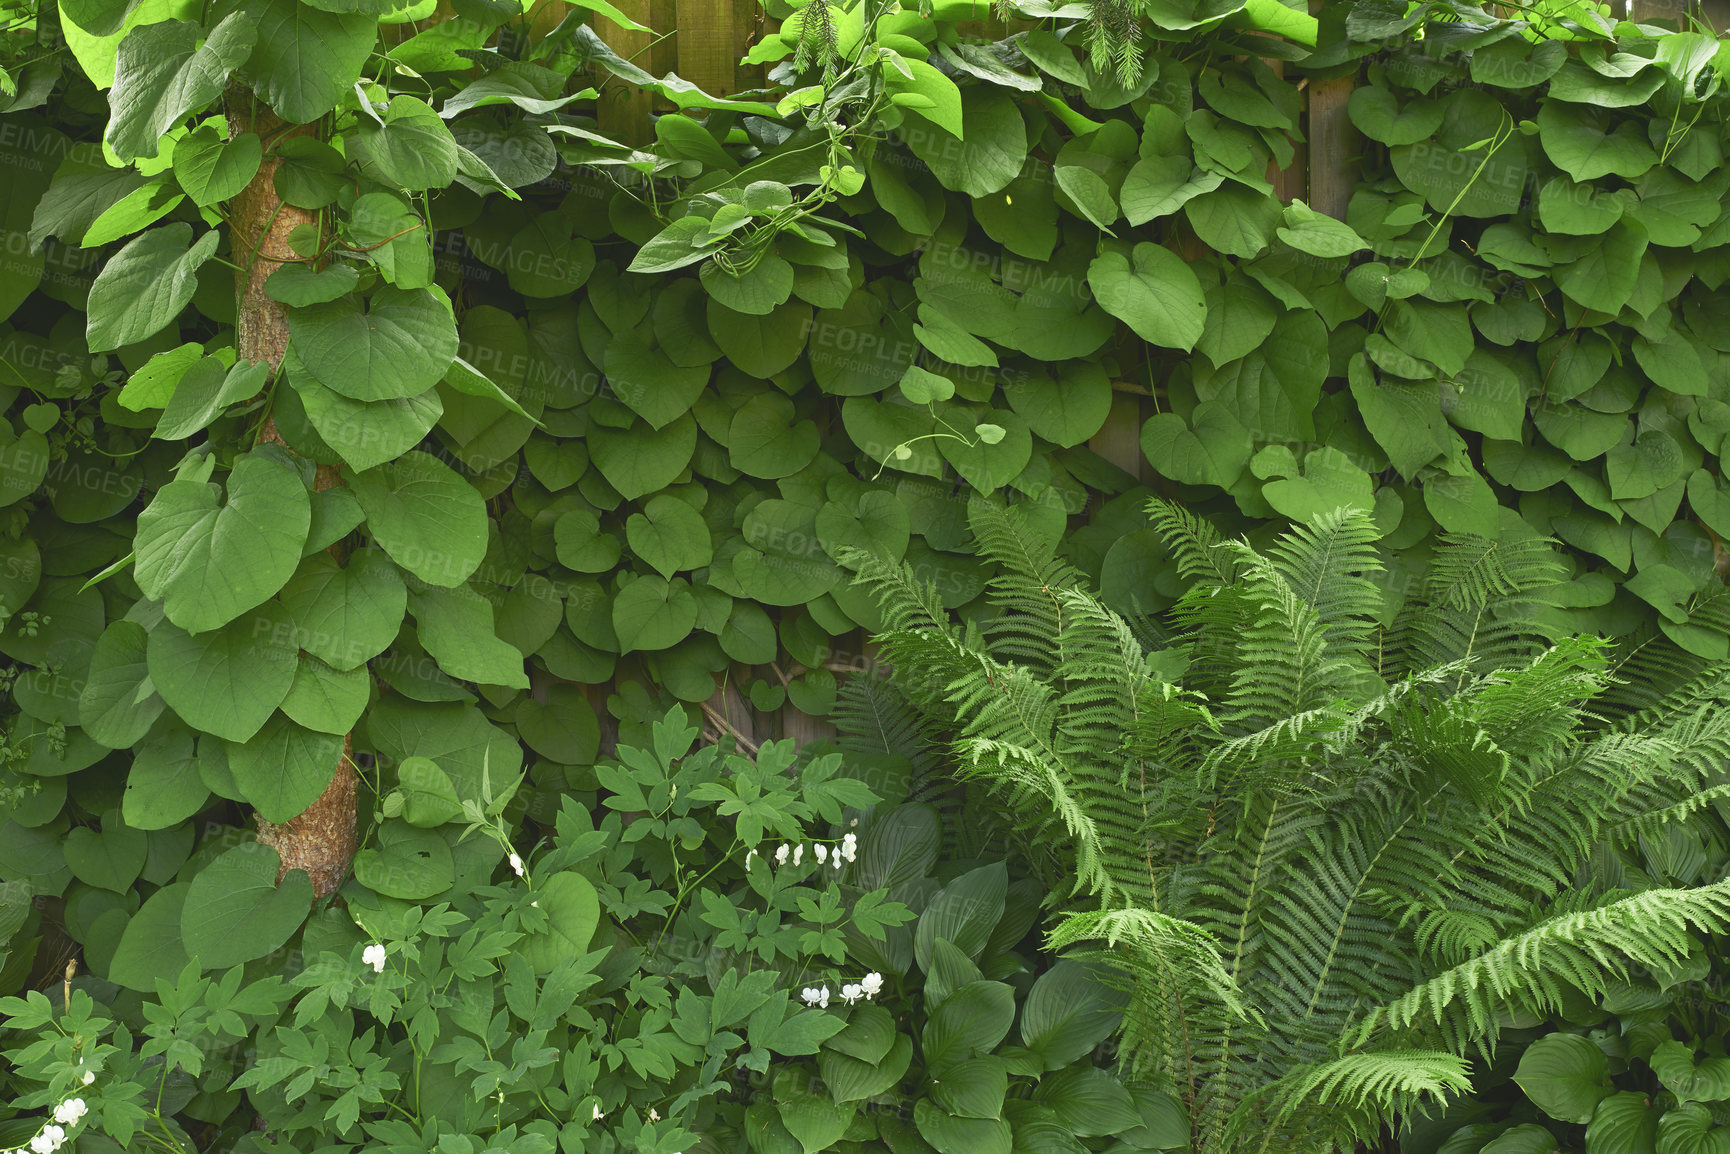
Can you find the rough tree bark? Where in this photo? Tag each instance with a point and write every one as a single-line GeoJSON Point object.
{"type": "Point", "coordinates": [320, 841]}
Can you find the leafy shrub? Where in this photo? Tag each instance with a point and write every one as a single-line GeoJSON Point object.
{"type": "Point", "coordinates": [696, 969]}
{"type": "Point", "coordinates": [1333, 845]}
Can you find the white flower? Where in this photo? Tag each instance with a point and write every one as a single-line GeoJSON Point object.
{"type": "Point", "coordinates": [88, 1078]}
{"type": "Point", "coordinates": [837, 861]}
{"type": "Point", "coordinates": [850, 846]}
{"type": "Point", "coordinates": [781, 854]}
{"type": "Point", "coordinates": [851, 993]}
{"type": "Point", "coordinates": [818, 996]}
{"type": "Point", "coordinates": [822, 853]}
{"type": "Point", "coordinates": [69, 1111]}
{"type": "Point", "coordinates": [798, 852]}
{"type": "Point", "coordinates": [49, 1140]}
{"type": "Point", "coordinates": [373, 956]}
{"type": "Point", "coordinates": [749, 854]}
{"type": "Point", "coordinates": [654, 1114]}
{"type": "Point", "coordinates": [598, 1114]}
{"type": "Point", "coordinates": [871, 984]}
{"type": "Point", "coordinates": [517, 864]}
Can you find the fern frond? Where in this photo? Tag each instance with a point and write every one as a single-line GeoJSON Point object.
{"type": "Point", "coordinates": [1585, 950]}
{"type": "Point", "coordinates": [1193, 542]}
{"type": "Point", "coordinates": [1482, 601]}
{"type": "Point", "coordinates": [1373, 1084]}
{"type": "Point", "coordinates": [1174, 974]}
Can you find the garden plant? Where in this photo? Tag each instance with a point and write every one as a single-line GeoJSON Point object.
{"type": "Point", "coordinates": [433, 503]}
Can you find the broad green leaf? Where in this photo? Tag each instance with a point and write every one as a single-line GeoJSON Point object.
{"type": "Point", "coordinates": [412, 149]}
{"type": "Point", "coordinates": [150, 947]}
{"type": "Point", "coordinates": [1705, 1080]}
{"type": "Point", "coordinates": [1581, 143]}
{"type": "Point", "coordinates": [163, 73]}
{"type": "Point", "coordinates": [814, 1122]}
{"type": "Point", "coordinates": [210, 555]}
{"type": "Point", "coordinates": [456, 627]}
{"type": "Point", "coordinates": [643, 377]}
{"type": "Point", "coordinates": [429, 797]}
{"type": "Point", "coordinates": [109, 858]}
{"type": "Point", "coordinates": [639, 461]}
{"type": "Point", "coordinates": [581, 544]}
{"type": "Point", "coordinates": [756, 292]}
{"type": "Point", "coordinates": [426, 517]}
{"type": "Point", "coordinates": [298, 284]}
{"type": "Point", "coordinates": [563, 729]}
{"type": "Point", "coordinates": [876, 522]}
{"type": "Point", "coordinates": [1088, 1101]}
{"type": "Point", "coordinates": [964, 912]}
{"type": "Point", "coordinates": [948, 1134]}
{"type": "Point", "coordinates": [1234, 220]}
{"type": "Point", "coordinates": [761, 345]}
{"type": "Point", "coordinates": [998, 450]}
{"type": "Point", "coordinates": [1213, 452]}
{"type": "Point", "coordinates": [1327, 480]}
{"type": "Point", "coordinates": [326, 699]}
{"type": "Point", "coordinates": [307, 61]}
{"type": "Point", "coordinates": [163, 786]}
{"type": "Point", "coordinates": [983, 160]}
{"type": "Point", "coordinates": [547, 259]}
{"type": "Point", "coordinates": [670, 535]}
{"type": "Point", "coordinates": [1653, 461]}
{"type": "Point", "coordinates": [204, 391]}
{"type": "Point", "coordinates": [1462, 502]}
{"type": "Point", "coordinates": [1604, 276]}
{"type": "Point", "coordinates": [235, 911]}
{"type": "Point", "coordinates": [407, 863]}
{"type": "Point", "coordinates": [284, 767]}
{"type": "Point", "coordinates": [1068, 1012]}
{"type": "Point", "coordinates": [651, 613]}
{"type": "Point", "coordinates": [972, 1020]}
{"type": "Point", "coordinates": [1624, 1121]}
{"type": "Point", "coordinates": [1405, 419]}
{"type": "Point", "coordinates": [1317, 234]}
{"type": "Point", "coordinates": [118, 705]}
{"type": "Point", "coordinates": [1565, 1076]}
{"type": "Point", "coordinates": [211, 170]}
{"type": "Point", "coordinates": [229, 680]}
{"type": "Point", "coordinates": [1379, 115]}
{"type": "Point", "coordinates": [146, 285]}
{"type": "Point", "coordinates": [766, 440]}
{"type": "Point", "coordinates": [573, 912]}
{"type": "Point", "coordinates": [345, 616]}
{"type": "Point", "coordinates": [366, 434]}
{"type": "Point", "coordinates": [1152, 291]}
{"type": "Point", "coordinates": [395, 343]}
{"type": "Point", "coordinates": [137, 210]}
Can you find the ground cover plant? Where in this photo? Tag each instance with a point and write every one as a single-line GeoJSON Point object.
{"type": "Point", "coordinates": [493, 432]}
{"type": "Point", "coordinates": [1333, 844]}
{"type": "Point", "coordinates": [834, 974]}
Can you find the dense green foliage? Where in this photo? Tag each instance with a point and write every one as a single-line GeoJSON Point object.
{"type": "Point", "coordinates": [1333, 851]}
{"type": "Point", "coordinates": [606, 996]}
{"type": "Point", "coordinates": [612, 412]}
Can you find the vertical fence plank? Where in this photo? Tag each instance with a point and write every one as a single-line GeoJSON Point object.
{"type": "Point", "coordinates": [1120, 440]}
{"type": "Point", "coordinates": [1333, 142]}
{"type": "Point", "coordinates": [623, 110]}
{"type": "Point", "coordinates": [707, 51]}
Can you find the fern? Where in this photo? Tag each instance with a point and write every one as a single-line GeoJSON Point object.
{"type": "Point", "coordinates": [1330, 854]}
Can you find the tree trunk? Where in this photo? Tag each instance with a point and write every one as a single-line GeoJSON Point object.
{"type": "Point", "coordinates": [320, 841]}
